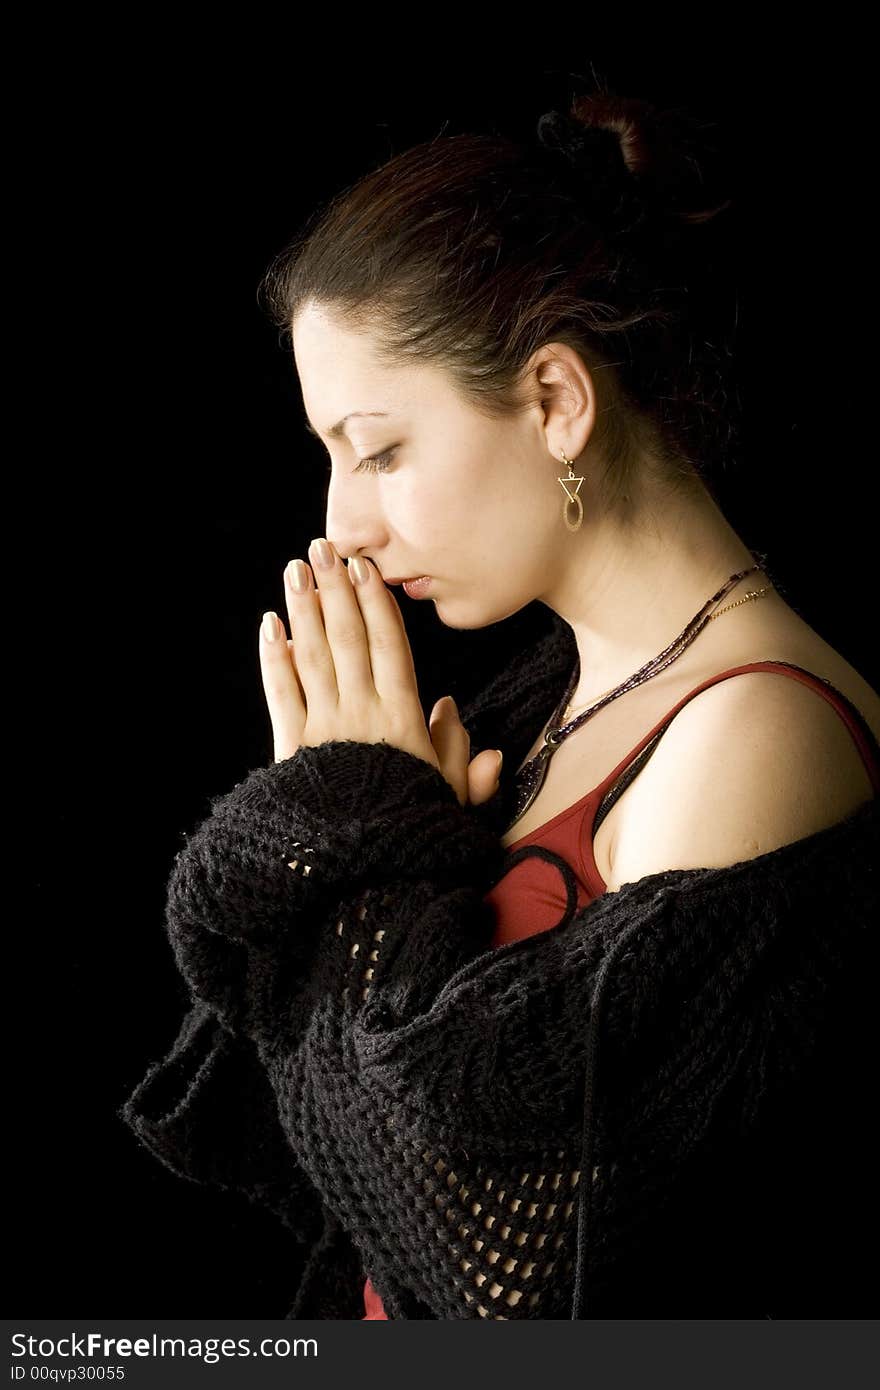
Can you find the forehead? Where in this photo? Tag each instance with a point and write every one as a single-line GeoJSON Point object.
{"type": "Point", "coordinates": [341, 377]}
{"type": "Point", "coordinates": [320, 340]}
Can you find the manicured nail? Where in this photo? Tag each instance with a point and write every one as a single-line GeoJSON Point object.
{"type": "Point", "coordinates": [324, 556]}
{"type": "Point", "coordinates": [298, 576]}
{"type": "Point", "coordinates": [270, 626]}
{"type": "Point", "coordinates": [500, 761]}
{"type": "Point", "coordinates": [359, 568]}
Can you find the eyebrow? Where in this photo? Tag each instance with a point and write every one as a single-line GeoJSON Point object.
{"type": "Point", "coordinates": [335, 431]}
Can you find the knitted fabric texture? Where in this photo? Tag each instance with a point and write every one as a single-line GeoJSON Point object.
{"type": "Point", "coordinates": [658, 1108]}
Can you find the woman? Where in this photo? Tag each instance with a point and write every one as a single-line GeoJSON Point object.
{"type": "Point", "coordinates": [404, 970]}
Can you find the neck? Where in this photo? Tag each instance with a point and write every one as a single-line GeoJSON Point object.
{"type": "Point", "coordinates": [632, 589]}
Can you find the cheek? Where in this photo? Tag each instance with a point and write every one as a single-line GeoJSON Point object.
{"type": "Point", "coordinates": [473, 502]}
{"type": "Point", "coordinates": [435, 507]}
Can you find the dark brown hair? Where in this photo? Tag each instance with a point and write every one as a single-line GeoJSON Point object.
{"type": "Point", "coordinates": [469, 252]}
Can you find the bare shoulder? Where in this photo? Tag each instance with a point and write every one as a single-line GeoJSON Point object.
{"type": "Point", "coordinates": [752, 763]}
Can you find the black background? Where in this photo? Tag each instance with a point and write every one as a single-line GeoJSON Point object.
{"type": "Point", "coordinates": [165, 480]}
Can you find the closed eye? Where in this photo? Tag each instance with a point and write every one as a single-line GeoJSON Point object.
{"type": "Point", "coordinates": [377, 464]}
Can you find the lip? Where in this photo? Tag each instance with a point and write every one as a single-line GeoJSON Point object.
{"type": "Point", "coordinates": [417, 588]}
{"type": "Point", "coordinates": [407, 580]}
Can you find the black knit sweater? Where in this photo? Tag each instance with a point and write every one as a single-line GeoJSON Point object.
{"type": "Point", "coordinates": [418, 1105]}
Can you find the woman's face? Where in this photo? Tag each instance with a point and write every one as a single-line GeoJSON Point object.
{"type": "Point", "coordinates": [473, 503]}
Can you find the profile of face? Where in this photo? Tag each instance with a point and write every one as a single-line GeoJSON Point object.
{"type": "Point", "coordinates": [472, 503]}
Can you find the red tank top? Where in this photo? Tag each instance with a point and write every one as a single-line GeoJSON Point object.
{"type": "Point", "coordinates": [530, 897]}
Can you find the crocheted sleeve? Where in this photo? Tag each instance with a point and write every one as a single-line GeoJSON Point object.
{"type": "Point", "coordinates": [207, 1112]}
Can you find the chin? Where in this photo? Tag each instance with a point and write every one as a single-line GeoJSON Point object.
{"type": "Point", "coordinates": [472, 622]}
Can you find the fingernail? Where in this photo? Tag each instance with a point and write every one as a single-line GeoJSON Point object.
{"type": "Point", "coordinates": [323, 554]}
{"type": "Point", "coordinates": [298, 576]}
{"type": "Point", "coordinates": [359, 568]}
{"type": "Point", "coordinates": [500, 761]}
{"type": "Point", "coordinates": [270, 626]}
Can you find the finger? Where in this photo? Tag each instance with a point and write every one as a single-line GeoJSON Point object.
{"type": "Point", "coordinates": [335, 606]}
{"type": "Point", "coordinates": [482, 776]}
{"type": "Point", "coordinates": [451, 743]}
{"type": "Point", "coordinates": [282, 690]}
{"type": "Point", "coordinates": [312, 657]}
{"type": "Point", "coordinates": [391, 659]}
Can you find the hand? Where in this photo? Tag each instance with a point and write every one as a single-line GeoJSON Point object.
{"type": "Point", "coordinates": [347, 672]}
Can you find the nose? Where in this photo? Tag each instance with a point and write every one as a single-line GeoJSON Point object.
{"type": "Point", "coordinates": [353, 522]}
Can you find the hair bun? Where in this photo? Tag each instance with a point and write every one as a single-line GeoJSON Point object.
{"type": "Point", "coordinates": [590, 149]}
{"type": "Point", "coordinates": [635, 154]}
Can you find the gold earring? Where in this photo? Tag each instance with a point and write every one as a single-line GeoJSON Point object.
{"type": "Point", "coordinates": [571, 495]}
